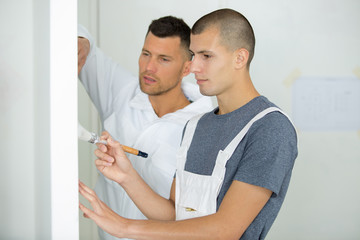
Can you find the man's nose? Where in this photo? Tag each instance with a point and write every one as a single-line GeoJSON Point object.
{"type": "Point", "coordinates": [151, 65]}
{"type": "Point", "coordinates": [195, 65]}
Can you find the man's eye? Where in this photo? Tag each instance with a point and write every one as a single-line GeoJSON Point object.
{"type": "Point", "coordinates": [145, 54]}
{"type": "Point", "coordinates": [165, 60]}
{"type": "Point", "coordinates": [192, 56]}
{"type": "Point", "coordinates": [207, 56]}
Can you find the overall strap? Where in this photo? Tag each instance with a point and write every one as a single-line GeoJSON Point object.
{"type": "Point", "coordinates": [186, 141]}
{"type": "Point", "coordinates": [230, 148]}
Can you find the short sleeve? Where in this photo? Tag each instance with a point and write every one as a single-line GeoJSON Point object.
{"type": "Point", "coordinates": [269, 153]}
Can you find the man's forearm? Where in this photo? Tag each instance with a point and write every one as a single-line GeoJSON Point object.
{"type": "Point", "coordinates": [151, 204]}
{"type": "Point", "coordinates": [208, 227]}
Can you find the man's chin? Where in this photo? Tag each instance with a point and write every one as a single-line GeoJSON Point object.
{"type": "Point", "coordinates": [149, 91]}
{"type": "Point", "coordinates": [207, 93]}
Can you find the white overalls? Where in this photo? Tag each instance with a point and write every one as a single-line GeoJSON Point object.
{"type": "Point", "coordinates": [196, 194]}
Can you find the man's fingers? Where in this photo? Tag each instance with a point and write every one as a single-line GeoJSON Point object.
{"type": "Point", "coordinates": [102, 146]}
{"type": "Point", "coordinates": [87, 212]}
{"type": "Point", "coordinates": [105, 135]}
{"type": "Point", "coordinates": [83, 51]}
{"type": "Point", "coordinates": [101, 163]}
{"type": "Point", "coordinates": [88, 195]}
{"type": "Point", "coordinates": [103, 156]}
{"type": "Point", "coordinates": [91, 196]}
{"type": "Point", "coordinates": [118, 150]}
{"type": "Point", "coordinates": [86, 188]}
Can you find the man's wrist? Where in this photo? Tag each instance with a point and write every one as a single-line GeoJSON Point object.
{"type": "Point", "coordinates": [128, 178]}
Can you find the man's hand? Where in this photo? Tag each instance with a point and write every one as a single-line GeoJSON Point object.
{"type": "Point", "coordinates": [101, 214]}
{"type": "Point", "coordinates": [83, 51]}
{"type": "Point", "coordinates": [112, 161]}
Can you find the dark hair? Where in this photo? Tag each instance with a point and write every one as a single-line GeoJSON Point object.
{"type": "Point", "coordinates": [235, 30]}
{"type": "Point", "coordinates": [170, 26]}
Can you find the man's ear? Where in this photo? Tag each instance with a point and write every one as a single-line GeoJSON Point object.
{"type": "Point", "coordinates": [241, 57]}
{"type": "Point", "coordinates": [186, 68]}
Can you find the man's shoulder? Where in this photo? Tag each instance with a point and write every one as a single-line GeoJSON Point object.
{"type": "Point", "coordinates": [273, 129]}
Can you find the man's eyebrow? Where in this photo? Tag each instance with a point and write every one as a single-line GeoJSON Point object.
{"type": "Point", "coordinates": [200, 52]}
{"type": "Point", "coordinates": [143, 50]}
{"type": "Point", "coordinates": [165, 56]}
{"type": "Point", "coordinates": [160, 55]}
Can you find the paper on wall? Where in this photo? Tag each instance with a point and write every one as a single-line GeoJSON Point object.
{"type": "Point", "coordinates": [326, 103]}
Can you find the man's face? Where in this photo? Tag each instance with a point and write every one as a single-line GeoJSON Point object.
{"type": "Point", "coordinates": [161, 65]}
{"type": "Point", "coordinates": [212, 63]}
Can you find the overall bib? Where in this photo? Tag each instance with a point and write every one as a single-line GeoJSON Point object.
{"type": "Point", "coordinates": [196, 195]}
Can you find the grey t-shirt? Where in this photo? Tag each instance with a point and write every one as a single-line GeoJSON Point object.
{"type": "Point", "coordinates": [265, 157]}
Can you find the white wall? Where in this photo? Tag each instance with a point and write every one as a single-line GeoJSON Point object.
{"type": "Point", "coordinates": [17, 178]}
{"type": "Point", "coordinates": [294, 38]}
{"type": "Point", "coordinates": [39, 198]}
{"type": "Point", "coordinates": [63, 120]}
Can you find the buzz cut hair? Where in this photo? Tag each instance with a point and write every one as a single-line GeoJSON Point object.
{"type": "Point", "coordinates": [235, 30]}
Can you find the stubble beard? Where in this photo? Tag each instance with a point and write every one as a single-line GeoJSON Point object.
{"type": "Point", "coordinates": [155, 90]}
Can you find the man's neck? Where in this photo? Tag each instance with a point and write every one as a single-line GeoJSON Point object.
{"type": "Point", "coordinates": [168, 102]}
{"type": "Point", "coordinates": [237, 97]}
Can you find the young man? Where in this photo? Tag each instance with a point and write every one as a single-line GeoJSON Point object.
{"type": "Point", "coordinates": [234, 164]}
{"type": "Point", "coordinates": [148, 113]}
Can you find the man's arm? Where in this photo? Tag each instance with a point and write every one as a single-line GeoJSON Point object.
{"type": "Point", "coordinates": [101, 77]}
{"type": "Point", "coordinates": [240, 206]}
{"type": "Point", "coordinates": [113, 163]}
{"type": "Point", "coordinates": [83, 51]}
